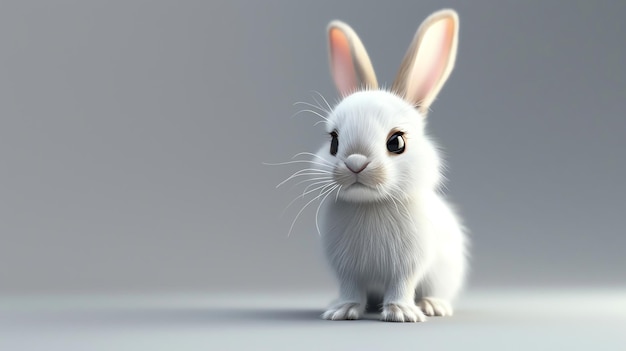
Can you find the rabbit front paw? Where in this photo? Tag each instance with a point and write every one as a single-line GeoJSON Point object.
{"type": "Point", "coordinates": [344, 311]}
{"type": "Point", "coordinates": [395, 312]}
{"type": "Point", "coordinates": [432, 306]}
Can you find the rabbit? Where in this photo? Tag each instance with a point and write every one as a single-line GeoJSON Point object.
{"type": "Point", "coordinates": [386, 230]}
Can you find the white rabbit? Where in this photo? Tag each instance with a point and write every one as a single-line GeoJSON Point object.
{"type": "Point", "coordinates": [386, 231]}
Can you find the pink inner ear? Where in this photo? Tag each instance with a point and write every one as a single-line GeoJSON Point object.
{"type": "Point", "coordinates": [431, 61]}
{"type": "Point", "coordinates": [342, 63]}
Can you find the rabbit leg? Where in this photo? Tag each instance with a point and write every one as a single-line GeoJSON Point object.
{"type": "Point", "coordinates": [399, 304]}
{"type": "Point", "coordinates": [440, 287]}
{"type": "Point", "coordinates": [351, 302]}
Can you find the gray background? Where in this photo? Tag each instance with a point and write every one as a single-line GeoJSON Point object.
{"type": "Point", "coordinates": [132, 136]}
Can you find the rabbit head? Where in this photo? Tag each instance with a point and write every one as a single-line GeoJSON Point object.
{"type": "Point", "coordinates": [378, 149]}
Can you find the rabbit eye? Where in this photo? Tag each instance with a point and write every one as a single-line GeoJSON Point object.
{"type": "Point", "coordinates": [395, 143]}
{"type": "Point", "coordinates": [334, 143]}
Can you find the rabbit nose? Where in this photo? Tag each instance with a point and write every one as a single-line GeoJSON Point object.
{"type": "Point", "coordinates": [356, 162]}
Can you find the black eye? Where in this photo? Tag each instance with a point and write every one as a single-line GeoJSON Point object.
{"type": "Point", "coordinates": [395, 144]}
{"type": "Point", "coordinates": [334, 144]}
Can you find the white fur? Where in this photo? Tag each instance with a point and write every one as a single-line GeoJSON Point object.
{"type": "Point", "coordinates": [393, 234]}
{"type": "Point", "coordinates": [388, 231]}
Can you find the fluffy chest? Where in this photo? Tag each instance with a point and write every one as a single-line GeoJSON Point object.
{"type": "Point", "coordinates": [370, 240]}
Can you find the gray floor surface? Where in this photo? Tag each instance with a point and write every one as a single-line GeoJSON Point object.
{"type": "Point", "coordinates": [585, 319]}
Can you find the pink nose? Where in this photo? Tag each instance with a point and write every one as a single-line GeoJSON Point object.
{"type": "Point", "coordinates": [356, 163]}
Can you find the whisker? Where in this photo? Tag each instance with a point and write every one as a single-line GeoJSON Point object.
{"type": "Point", "coordinates": [338, 190]}
{"type": "Point", "coordinates": [311, 105]}
{"type": "Point", "coordinates": [312, 179]}
{"type": "Point", "coordinates": [320, 181]}
{"type": "Point", "coordinates": [388, 195]}
{"type": "Point", "coordinates": [296, 161]}
{"type": "Point", "coordinates": [312, 154]}
{"type": "Point", "coordinates": [304, 172]}
{"type": "Point", "coordinates": [298, 175]}
{"type": "Point", "coordinates": [322, 193]}
{"type": "Point", "coordinates": [302, 196]}
{"type": "Point", "coordinates": [325, 101]}
{"type": "Point", "coordinates": [314, 170]}
{"type": "Point", "coordinates": [317, 212]}
{"type": "Point", "coordinates": [319, 105]}
{"type": "Point", "coordinates": [318, 188]}
{"type": "Point", "coordinates": [311, 111]}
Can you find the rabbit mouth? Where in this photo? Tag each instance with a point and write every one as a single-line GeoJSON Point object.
{"type": "Point", "coordinates": [359, 185]}
{"type": "Point", "coordinates": [365, 186]}
{"type": "Point", "coordinates": [359, 192]}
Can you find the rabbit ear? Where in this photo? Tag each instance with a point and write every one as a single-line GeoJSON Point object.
{"type": "Point", "coordinates": [429, 60]}
{"type": "Point", "coordinates": [349, 64]}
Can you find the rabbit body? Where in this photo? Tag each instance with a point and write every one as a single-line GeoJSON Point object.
{"type": "Point", "coordinates": [376, 250]}
{"type": "Point", "coordinates": [386, 230]}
